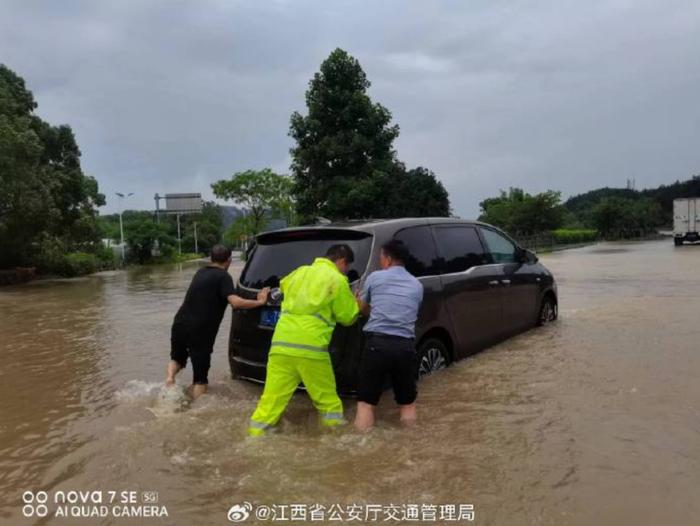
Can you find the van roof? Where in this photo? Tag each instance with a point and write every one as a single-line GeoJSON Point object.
{"type": "Point", "coordinates": [371, 225]}
{"type": "Point", "coordinates": [397, 221]}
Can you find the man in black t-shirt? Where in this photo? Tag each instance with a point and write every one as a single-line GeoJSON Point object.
{"type": "Point", "coordinates": [197, 321]}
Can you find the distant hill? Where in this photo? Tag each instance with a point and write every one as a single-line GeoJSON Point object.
{"type": "Point", "coordinates": [230, 213]}
{"type": "Point", "coordinates": [580, 205]}
{"type": "Point", "coordinates": [584, 202]}
{"type": "Point", "coordinates": [665, 194]}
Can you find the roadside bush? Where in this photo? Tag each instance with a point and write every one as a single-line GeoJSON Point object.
{"type": "Point", "coordinates": [565, 236]}
{"type": "Point", "coordinates": [51, 255]}
{"type": "Point", "coordinates": [55, 258]}
{"type": "Point", "coordinates": [79, 264]}
{"type": "Point", "coordinates": [105, 258]}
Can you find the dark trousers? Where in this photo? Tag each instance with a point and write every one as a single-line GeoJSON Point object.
{"type": "Point", "coordinates": [388, 357]}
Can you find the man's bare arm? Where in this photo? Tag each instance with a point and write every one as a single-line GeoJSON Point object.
{"type": "Point", "coordinates": [241, 303]}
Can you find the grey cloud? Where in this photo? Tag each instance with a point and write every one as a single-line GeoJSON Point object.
{"type": "Point", "coordinates": [171, 96]}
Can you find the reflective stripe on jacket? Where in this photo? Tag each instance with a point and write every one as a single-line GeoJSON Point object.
{"type": "Point", "coordinates": [316, 297]}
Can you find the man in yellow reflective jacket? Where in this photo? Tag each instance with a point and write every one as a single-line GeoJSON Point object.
{"type": "Point", "coordinates": [316, 297]}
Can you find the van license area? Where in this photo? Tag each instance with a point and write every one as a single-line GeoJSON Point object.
{"type": "Point", "coordinates": [269, 317]}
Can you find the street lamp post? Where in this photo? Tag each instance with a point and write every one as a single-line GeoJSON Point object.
{"type": "Point", "coordinates": [121, 223]}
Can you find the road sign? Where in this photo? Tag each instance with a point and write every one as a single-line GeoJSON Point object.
{"type": "Point", "coordinates": [180, 204]}
{"type": "Point", "coordinates": [183, 203]}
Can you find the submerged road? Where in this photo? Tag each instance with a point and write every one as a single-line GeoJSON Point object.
{"type": "Point", "coordinates": [592, 420]}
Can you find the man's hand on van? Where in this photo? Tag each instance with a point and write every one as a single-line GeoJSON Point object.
{"type": "Point", "coordinates": [361, 304]}
{"type": "Point", "coordinates": [240, 303]}
{"type": "Point", "coordinates": [263, 295]}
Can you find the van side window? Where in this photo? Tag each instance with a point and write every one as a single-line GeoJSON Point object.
{"type": "Point", "coordinates": [502, 250]}
{"type": "Point", "coordinates": [460, 247]}
{"type": "Point", "coordinates": [423, 260]}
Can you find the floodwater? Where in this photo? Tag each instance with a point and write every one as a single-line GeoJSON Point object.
{"type": "Point", "coordinates": [592, 420]}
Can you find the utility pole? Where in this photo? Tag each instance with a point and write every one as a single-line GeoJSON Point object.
{"type": "Point", "coordinates": [179, 239]}
{"type": "Point", "coordinates": [157, 198]}
{"type": "Point", "coordinates": [196, 247]}
{"type": "Point", "coordinates": [121, 222]}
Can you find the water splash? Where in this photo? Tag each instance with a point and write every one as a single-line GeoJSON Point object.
{"type": "Point", "coordinates": [157, 398]}
{"type": "Point", "coordinates": [135, 390]}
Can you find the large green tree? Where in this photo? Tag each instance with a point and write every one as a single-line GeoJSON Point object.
{"type": "Point", "coordinates": [47, 203]}
{"type": "Point", "coordinates": [344, 164]}
{"type": "Point", "coordinates": [415, 193]}
{"type": "Point", "coordinates": [263, 193]}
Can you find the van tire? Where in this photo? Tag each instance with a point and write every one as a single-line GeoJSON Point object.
{"type": "Point", "coordinates": [548, 311]}
{"type": "Point", "coordinates": [432, 356]}
{"type": "Point", "coordinates": [677, 241]}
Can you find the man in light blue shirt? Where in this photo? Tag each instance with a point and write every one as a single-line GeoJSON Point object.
{"type": "Point", "coordinates": [391, 298]}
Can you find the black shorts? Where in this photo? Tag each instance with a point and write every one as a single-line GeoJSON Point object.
{"type": "Point", "coordinates": [388, 357]}
{"type": "Point", "coordinates": [183, 345]}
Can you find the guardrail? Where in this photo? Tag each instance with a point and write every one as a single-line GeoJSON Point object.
{"type": "Point", "coordinates": [558, 239]}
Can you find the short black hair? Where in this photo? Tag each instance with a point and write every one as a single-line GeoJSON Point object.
{"type": "Point", "coordinates": [220, 254]}
{"type": "Point", "coordinates": [396, 250]}
{"type": "Point", "coordinates": [341, 251]}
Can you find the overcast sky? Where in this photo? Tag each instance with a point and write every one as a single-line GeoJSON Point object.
{"type": "Point", "coordinates": [168, 96]}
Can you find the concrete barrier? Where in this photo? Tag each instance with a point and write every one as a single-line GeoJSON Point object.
{"type": "Point", "coordinates": [17, 275]}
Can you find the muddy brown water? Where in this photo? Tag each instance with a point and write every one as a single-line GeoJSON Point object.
{"type": "Point", "coordinates": [592, 420]}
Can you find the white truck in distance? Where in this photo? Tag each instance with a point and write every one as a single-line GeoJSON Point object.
{"type": "Point", "coordinates": [685, 219]}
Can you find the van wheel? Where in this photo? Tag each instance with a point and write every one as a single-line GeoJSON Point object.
{"type": "Point", "coordinates": [678, 242]}
{"type": "Point", "coordinates": [432, 356]}
{"type": "Point", "coordinates": [548, 311]}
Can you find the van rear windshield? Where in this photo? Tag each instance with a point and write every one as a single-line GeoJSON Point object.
{"type": "Point", "coordinates": [278, 253]}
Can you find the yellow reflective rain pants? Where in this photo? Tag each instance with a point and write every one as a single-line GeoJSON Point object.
{"type": "Point", "coordinates": [283, 376]}
{"type": "Point", "coordinates": [315, 298]}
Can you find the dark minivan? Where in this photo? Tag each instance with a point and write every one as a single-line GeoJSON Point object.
{"type": "Point", "coordinates": [480, 288]}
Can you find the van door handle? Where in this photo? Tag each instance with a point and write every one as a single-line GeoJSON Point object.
{"type": "Point", "coordinates": [493, 283]}
{"type": "Point", "coordinates": [505, 281]}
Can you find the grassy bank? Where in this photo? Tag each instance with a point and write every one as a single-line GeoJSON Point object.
{"type": "Point", "coordinates": [556, 239]}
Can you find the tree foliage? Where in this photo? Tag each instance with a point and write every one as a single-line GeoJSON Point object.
{"type": "Point", "coordinates": [415, 193]}
{"type": "Point", "coordinates": [612, 212]}
{"type": "Point", "coordinates": [209, 228]}
{"type": "Point", "coordinates": [519, 212]}
{"type": "Point", "coordinates": [344, 164]}
{"type": "Point", "coordinates": [140, 233]}
{"type": "Point", "coordinates": [619, 217]}
{"type": "Point", "coordinates": [665, 194]}
{"type": "Point", "coordinates": [263, 193]}
{"type": "Point", "coordinates": [239, 231]}
{"type": "Point", "coordinates": [47, 203]}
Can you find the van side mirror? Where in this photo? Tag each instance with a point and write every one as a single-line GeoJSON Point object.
{"type": "Point", "coordinates": [526, 256]}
